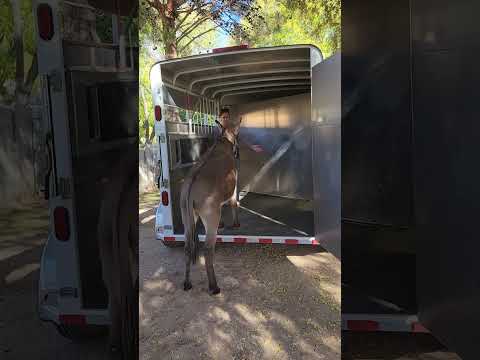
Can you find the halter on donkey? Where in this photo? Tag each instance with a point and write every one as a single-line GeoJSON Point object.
{"type": "Point", "coordinates": [211, 183]}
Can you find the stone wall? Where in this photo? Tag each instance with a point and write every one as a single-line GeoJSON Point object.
{"type": "Point", "coordinates": [148, 169]}
{"type": "Point", "coordinates": [22, 155]}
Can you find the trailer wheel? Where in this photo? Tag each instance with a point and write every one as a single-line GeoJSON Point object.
{"type": "Point", "coordinates": [82, 333]}
{"type": "Point", "coordinates": [173, 244]}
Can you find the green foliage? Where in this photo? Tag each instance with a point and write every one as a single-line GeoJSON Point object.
{"type": "Point", "coordinates": [287, 22]}
{"type": "Point", "coordinates": [146, 116]}
{"type": "Point", "coordinates": [7, 47]}
{"type": "Point", "coordinates": [150, 35]}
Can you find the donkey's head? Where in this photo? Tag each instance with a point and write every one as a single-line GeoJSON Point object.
{"type": "Point", "coordinates": [230, 125]}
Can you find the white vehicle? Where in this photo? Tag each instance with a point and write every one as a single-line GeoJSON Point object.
{"type": "Point", "coordinates": [289, 100]}
{"type": "Point", "coordinates": [90, 97]}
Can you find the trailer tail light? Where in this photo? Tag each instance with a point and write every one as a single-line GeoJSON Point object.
{"type": "Point", "coordinates": [45, 22]}
{"type": "Point", "coordinates": [164, 198]}
{"type": "Point", "coordinates": [62, 226]}
{"type": "Point", "coordinates": [362, 325]}
{"type": "Point", "coordinates": [158, 113]}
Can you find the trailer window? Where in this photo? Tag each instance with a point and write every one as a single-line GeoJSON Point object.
{"type": "Point", "coordinates": [192, 149]}
{"type": "Point", "coordinates": [118, 102]}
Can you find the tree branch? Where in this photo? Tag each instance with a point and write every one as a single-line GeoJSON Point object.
{"type": "Point", "coordinates": [187, 14]}
{"type": "Point", "coordinates": [197, 36]}
{"type": "Point", "coordinates": [192, 27]}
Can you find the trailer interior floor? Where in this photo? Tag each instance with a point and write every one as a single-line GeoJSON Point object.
{"type": "Point", "coordinates": [268, 216]}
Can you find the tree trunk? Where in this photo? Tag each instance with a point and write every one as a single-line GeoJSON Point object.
{"type": "Point", "coordinates": [19, 64]}
{"type": "Point", "coordinates": [18, 42]}
{"type": "Point", "coordinates": [169, 29]}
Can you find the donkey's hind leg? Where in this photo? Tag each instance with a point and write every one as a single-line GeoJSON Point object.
{"type": "Point", "coordinates": [211, 219]}
{"type": "Point", "coordinates": [187, 284]}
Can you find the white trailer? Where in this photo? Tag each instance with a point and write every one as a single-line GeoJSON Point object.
{"type": "Point", "coordinates": [90, 97]}
{"type": "Point", "coordinates": [289, 100]}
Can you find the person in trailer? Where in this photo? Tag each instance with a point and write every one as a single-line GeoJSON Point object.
{"type": "Point", "coordinates": [223, 118]}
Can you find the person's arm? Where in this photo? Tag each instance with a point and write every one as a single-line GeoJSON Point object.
{"type": "Point", "coordinates": [256, 148]}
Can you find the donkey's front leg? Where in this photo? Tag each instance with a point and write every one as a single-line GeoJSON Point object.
{"type": "Point", "coordinates": [235, 205]}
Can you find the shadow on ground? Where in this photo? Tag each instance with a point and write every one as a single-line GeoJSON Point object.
{"type": "Point", "coordinates": [277, 302]}
{"type": "Point", "coordinates": [23, 233]}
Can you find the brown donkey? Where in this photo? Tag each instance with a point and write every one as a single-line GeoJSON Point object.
{"type": "Point", "coordinates": [211, 183]}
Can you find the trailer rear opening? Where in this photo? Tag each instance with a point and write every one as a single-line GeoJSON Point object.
{"type": "Point", "coordinates": [271, 90]}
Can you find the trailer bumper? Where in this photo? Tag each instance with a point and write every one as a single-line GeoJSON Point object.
{"type": "Point", "coordinates": [247, 239]}
{"type": "Point", "coordinates": [384, 322]}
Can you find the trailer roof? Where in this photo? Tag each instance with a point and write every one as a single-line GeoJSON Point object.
{"type": "Point", "coordinates": [240, 75]}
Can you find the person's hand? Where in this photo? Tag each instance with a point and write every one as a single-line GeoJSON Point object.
{"type": "Point", "coordinates": [256, 148]}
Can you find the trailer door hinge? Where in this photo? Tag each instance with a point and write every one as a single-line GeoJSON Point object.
{"type": "Point", "coordinates": [163, 138]}
{"type": "Point", "coordinates": [68, 292]}
{"type": "Point", "coordinates": [165, 183]}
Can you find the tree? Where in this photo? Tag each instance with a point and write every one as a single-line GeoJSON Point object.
{"type": "Point", "coordinates": [18, 64]}
{"type": "Point", "coordinates": [178, 21]}
{"type": "Point", "coordinates": [150, 36]}
{"type": "Point", "coordinates": [287, 22]}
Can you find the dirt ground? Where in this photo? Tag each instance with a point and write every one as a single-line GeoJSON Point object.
{"type": "Point", "coordinates": [23, 233]}
{"type": "Point", "coordinates": [277, 302]}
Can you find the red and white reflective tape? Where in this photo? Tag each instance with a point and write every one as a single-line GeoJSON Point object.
{"type": "Point", "coordinates": [244, 239]}
{"type": "Point", "coordinates": [387, 323]}
{"type": "Point", "coordinates": [99, 317]}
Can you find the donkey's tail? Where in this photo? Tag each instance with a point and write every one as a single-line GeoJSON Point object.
{"type": "Point", "coordinates": [188, 219]}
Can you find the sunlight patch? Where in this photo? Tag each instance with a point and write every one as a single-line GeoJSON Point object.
{"type": "Point", "coordinates": [21, 272]}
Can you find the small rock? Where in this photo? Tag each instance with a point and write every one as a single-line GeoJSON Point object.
{"type": "Point", "coordinates": [230, 282]}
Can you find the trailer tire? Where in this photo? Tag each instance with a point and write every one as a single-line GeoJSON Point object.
{"type": "Point", "coordinates": [173, 244]}
{"type": "Point", "coordinates": [82, 333]}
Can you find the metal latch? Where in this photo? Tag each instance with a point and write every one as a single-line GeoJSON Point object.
{"type": "Point", "coordinates": [165, 183]}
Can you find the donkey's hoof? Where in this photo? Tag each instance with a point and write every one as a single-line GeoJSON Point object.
{"type": "Point", "coordinates": [214, 291]}
{"type": "Point", "coordinates": [187, 285]}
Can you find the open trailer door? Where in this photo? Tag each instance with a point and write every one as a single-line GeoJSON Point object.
{"type": "Point", "coordinates": [326, 132]}
{"type": "Point", "coordinates": [447, 176]}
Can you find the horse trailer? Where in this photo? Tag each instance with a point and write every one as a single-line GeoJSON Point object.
{"type": "Point", "coordinates": [288, 99]}
{"type": "Point", "coordinates": [90, 95]}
